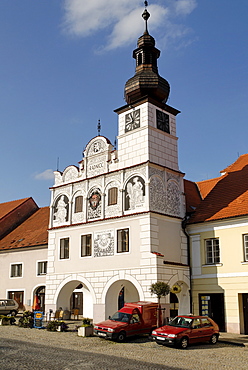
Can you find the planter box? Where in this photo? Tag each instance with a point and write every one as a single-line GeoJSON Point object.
{"type": "Point", "coordinates": [85, 331]}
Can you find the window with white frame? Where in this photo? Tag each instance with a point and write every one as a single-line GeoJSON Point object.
{"type": "Point", "coordinates": [42, 268]}
{"type": "Point", "coordinates": [212, 251]}
{"type": "Point", "coordinates": [245, 244]}
{"type": "Point", "coordinates": [122, 240]}
{"type": "Point", "coordinates": [64, 248]}
{"type": "Point", "coordinates": [16, 270]}
{"type": "Point", "coordinates": [86, 245]}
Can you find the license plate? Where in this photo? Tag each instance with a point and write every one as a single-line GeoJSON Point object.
{"type": "Point", "coordinates": [102, 334]}
{"type": "Point", "coordinates": [160, 338]}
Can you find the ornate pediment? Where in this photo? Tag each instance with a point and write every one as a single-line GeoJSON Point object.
{"type": "Point", "coordinates": [97, 156]}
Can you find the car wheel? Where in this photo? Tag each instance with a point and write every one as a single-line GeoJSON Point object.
{"type": "Point", "coordinates": [184, 343]}
{"type": "Point", "coordinates": [121, 336]}
{"type": "Point", "coordinates": [13, 313]}
{"type": "Point", "coordinates": [214, 339]}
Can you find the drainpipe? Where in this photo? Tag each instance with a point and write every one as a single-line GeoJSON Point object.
{"type": "Point", "coordinates": [184, 224]}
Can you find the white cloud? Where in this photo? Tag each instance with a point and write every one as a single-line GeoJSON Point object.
{"type": "Point", "coordinates": [122, 21]}
{"type": "Point", "coordinates": [45, 175]}
{"type": "Point", "coordinates": [127, 29]}
{"type": "Point", "coordinates": [185, 7]}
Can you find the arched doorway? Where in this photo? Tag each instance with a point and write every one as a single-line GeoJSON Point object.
{"type": "Point", "coordinates": [75, 293]}
{"type": "Point", "coordinates": [39, 299]}
{"type": "Point", "coordinates": [120, 292]}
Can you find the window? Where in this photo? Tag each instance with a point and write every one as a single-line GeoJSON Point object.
{"type": "Point", "coordinates": [245, 247]}
{"type": "Point", "coordinates": [206, 322]}
{"type": "Point", "coordinates": [122, 240]}
{"type": "Point", "coordinates": [212, 251]}
{"type": "Point", "coordinates": [16, 270]}
{"type": "Point", "coordinates": [78, 204]}
{"type": "Point", "coordinates": [18, 296]}
{"type": "Point", "coordinates": [64, 248]}
{"type": "Point", "coordinates": [112, 196]}
{"type": "Point", "coordinates": [196, 324]}
{"type": "Point", "coordinates": [42, 268]}
{"type": "Point", "coordinates": [86, 242]}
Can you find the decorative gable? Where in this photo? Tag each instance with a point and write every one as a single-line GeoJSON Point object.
{"type": "Point", "coordinates": [97, 156]}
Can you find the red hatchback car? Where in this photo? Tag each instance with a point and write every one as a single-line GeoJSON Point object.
{"type": "Point", "coordinates": [187, 329]}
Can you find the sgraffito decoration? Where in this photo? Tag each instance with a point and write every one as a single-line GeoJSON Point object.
{"type": "Point", "coordinates": [104, 243]}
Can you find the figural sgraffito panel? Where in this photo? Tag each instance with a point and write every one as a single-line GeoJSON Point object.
{"type": "Point", "coordinates": [135, 193]}
{"type": "Point", "coordinates": [95, 204]}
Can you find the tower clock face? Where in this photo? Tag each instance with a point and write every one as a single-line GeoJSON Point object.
{"type": "Point", "coordinates": [163, 121]}
{"type": "Point", "coordinates": [132, 120]}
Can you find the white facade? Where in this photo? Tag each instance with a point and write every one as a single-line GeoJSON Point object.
{"type": "Point", "coordinates": [147, 205]}
{"type": "Point", "coordinates": [28, 258]}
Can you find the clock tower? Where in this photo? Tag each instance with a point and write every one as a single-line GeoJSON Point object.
{"type": "Point", "coordinates": [147, 125]}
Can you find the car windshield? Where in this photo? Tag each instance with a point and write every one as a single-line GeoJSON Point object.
{"type": "Point", "coordinates": [184, 322]}
{"type": "Point", "coordinates": [121, 316]}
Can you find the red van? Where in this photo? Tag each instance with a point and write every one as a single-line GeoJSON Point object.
{"type": "Point", "coordinates": [133, 319]}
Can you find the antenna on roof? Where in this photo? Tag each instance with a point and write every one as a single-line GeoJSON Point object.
{"type": "Point", "coordinates": [58, 164]}
{"type": "Point", "coordinates": [99, 127]}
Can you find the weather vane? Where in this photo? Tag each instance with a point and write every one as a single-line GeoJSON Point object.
{"type": "Point", "coordinates": [99, 127]}
{"type": "Point", "coordinates": [146, 15]}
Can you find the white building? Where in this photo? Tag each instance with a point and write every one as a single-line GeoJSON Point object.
{"type": "Point", "coordinates": [115, 221]}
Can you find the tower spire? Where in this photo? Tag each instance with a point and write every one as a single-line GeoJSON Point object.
{"type": "Point", "coordinates": [146, 81]}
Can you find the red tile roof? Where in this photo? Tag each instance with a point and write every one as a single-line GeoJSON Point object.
{"type": "Point", "coordinates": [8, 207]}
{"type": "Point", "coordinates": [226, 196]}
{"type": "Point", "coordinates": [193, 197]}
{"type": "Point", "coordinates": [32, 232]}
{"type": "Point", "coordinates": [206, 186]}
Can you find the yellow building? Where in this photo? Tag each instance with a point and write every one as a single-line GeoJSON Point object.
{"type": "Point", "coordinates": [218, 234]}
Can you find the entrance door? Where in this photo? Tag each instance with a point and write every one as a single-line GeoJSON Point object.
{"type": "Point", "coordinates": [173, 305]}
{"type": "Point", "coordinates": [121, 299]}
{"type": "Point", "coordinates": [77, 302]}
{"type": "Point", "coordinates": [245, 310]}
{"type": "Point", "coordinates": [212, 305]}
{"type": "Point", "coordinates": [40, 292]}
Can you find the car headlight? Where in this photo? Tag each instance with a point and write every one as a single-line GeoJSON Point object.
{"type": "Point", "coordinates": [171, 335]}
{"type": "Point", "coordinates": [110, 330]}
{"type": "Point", "coordinates": [95, 327]}
{"type": "Point", "coordinates": [154, 332]}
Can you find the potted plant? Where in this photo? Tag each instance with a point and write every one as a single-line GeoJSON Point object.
{"type": "Point", "coordinates": [161, 289]}
{"type": "Point", "coordinates": [27, 320]}
{"type": "Point", "coordinates": [7, 320]}
{"type": "Point", "coordinates": [56, 325]}
{"type": "Point", "coordinates": [86, 329]}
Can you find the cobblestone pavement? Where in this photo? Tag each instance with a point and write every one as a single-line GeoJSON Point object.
{"type": "Point", "coordinates": [203, 356]}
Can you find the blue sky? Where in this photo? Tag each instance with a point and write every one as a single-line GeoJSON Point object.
{"type": "Point", "coordinates": [64, 64]}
